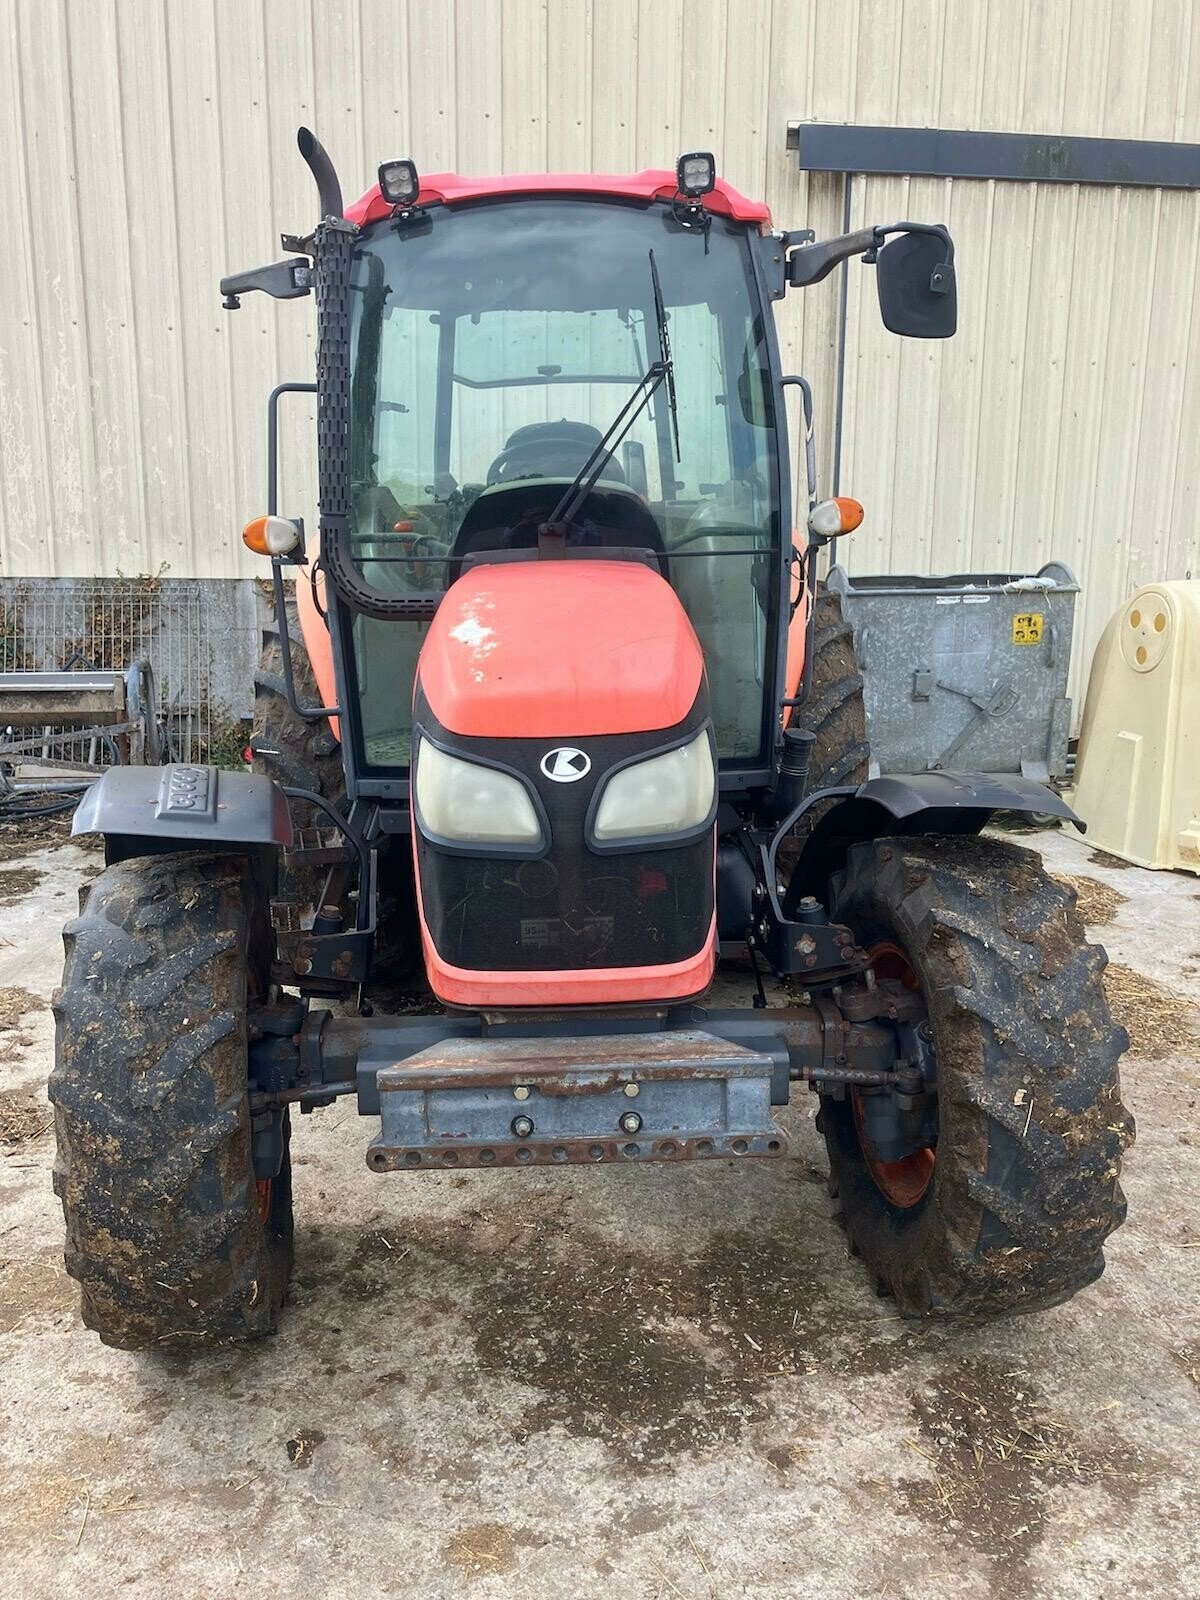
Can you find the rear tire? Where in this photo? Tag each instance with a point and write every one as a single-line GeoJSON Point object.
{"type": "Point", "coordinates": [295, 752]}
{"type": "Point", "coordinates": [834, 711]}
{"type": "Point", "coordinates": [1024, 1187]}
{"type": "Point", "coordinates": [164, 1231]}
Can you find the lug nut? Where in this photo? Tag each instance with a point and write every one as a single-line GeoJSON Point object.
{"type": "Point", "coordinates": [632, 1091]}
{"type": "Point", "coordinates": [521, 1092]}
{"type": "Point", "coordinates": [630, 1122]}
{"type": "Point", "coordinates": [522, 1127]}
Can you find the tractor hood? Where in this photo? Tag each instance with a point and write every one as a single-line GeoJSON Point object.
{"type": "Point", "coordinates": [560, 649]}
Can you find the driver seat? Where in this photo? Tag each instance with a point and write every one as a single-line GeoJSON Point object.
{"type": "Point", "coordinates": [551, 450]}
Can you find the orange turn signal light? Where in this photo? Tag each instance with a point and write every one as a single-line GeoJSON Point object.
{"type": "Point", "coordinates": [852, 512]}
{"type": "Point", "coordinates": [830, 518]}
{"type": "Point", "coordinates": [271, 536]}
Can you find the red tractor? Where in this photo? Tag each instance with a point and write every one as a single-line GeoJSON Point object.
{"type": "Point", "coordinates": [572, 721]}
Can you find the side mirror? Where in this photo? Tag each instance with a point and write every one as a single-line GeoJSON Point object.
{"type": "Point", "coordinates": [915, 279]}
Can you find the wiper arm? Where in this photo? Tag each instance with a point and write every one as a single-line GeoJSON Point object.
{"type": "Point", "coordinates": [661, 371]}
{"type": "Point", "coordinates": [664, 351]}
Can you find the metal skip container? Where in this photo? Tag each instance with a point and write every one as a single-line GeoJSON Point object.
{"type": "Point", "coordinates": [966, 672]}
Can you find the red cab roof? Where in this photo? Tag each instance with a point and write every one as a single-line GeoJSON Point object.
{"type": "Point", "coordinates": [653, 184]}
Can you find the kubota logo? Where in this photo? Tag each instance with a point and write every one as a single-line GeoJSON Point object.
{"type": "Point", "coordinates": [566, 764]}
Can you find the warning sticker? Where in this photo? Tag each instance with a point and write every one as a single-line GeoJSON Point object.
{"type": "Point", "coordinates": [1027, 627]}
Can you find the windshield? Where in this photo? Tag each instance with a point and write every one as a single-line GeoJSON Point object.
{"type": "Point", "coordinates": [493, 346]}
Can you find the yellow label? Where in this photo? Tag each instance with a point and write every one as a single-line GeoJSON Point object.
{"type": "Point", "coordinates": [1027, 627]}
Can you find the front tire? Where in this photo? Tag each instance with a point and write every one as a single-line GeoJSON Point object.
{"type": "Point", "coordinates": [1023, 1188]}
{"type": "Point", "coordinates": [171, 1239]}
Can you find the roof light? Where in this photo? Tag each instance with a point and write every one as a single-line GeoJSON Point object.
{"type": "Point", "coordinates": [829, 518]}
{"type": "Point", "coordinates": [696, 173]}
{"type": "Point", "coordinates": [271, 536]}
{"type": "Point", "coordinates": [399, 182]}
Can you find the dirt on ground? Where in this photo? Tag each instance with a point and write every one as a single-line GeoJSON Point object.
{"type": "Point", "coordinates": [669, 1383]}
{"type": "Point", "coordinates": [1163, 1021]}
{"type": "Point", "coordinates": [1096, 903]}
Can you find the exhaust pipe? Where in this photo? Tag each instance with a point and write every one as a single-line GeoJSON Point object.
{"type": "Point", "coordinates": [329, 189]}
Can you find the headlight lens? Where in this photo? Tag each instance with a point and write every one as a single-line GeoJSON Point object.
{"type": "Point", "coordinates": [670, 793]}
{"type": "Point", "coordinates": [469, 804]}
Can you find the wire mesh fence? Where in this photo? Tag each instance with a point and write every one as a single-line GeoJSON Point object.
{"type": "Point", "coordinates": [97, 625]}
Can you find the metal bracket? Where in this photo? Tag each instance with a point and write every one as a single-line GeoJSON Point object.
{"type": "Point", "coordinates": [335, 957]}
{"type": "Point", "coordinates": [282, 280]}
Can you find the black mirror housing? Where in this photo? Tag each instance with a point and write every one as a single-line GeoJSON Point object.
{"type": "Point", "coordinates": [918, 295]}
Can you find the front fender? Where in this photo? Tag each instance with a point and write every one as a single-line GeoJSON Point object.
{"type": "Point", "coordinates": [907, 794]}
{"type": "Point", "coordinates": [902, 803]}
{"type": "Point", "coordinates": [195, 807]}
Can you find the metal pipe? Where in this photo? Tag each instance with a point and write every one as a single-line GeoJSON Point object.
{"type": "Point", "coordinates": [273, 438]}
{"type": "Point", "coordinates": [329, 189]}
{"type": "Point", "coordinates": [843, 312]}
{"type": "Point", "coordinates": [357, 843]}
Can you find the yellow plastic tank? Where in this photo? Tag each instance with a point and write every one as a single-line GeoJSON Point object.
{"type": "Point", "coordinates": [1137, 777]}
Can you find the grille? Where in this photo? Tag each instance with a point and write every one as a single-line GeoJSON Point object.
{"type": "Point", "coordinates": [570, 911]}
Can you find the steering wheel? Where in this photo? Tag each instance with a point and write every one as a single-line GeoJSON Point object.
{"type": "Point", "coordinates": [551, 450]}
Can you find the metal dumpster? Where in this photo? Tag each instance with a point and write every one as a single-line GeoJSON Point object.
{"type": "Point", "coordinates": [966, 672]}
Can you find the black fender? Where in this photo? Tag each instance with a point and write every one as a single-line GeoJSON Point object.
{"type": "Point", "coordinates": [902, 803]}
{"type": "Point", "coordinates": [148, 810]}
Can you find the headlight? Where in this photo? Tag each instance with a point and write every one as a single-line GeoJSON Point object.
{"type": "Point", "coordinates": [470, 804]}
{"type": "Point", "coordinates": [667, 794]}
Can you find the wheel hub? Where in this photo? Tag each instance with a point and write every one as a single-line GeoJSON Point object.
{"type": "Point", "coordinates": [898, 1130]}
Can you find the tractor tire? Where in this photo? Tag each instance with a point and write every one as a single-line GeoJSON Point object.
{"type": "Point", "coordinates": [1022, 1189]}
{"type": "Point", "coordinates": [834, 711]}
{"type": "Point", "coordinates": [171, 1239]}
{"type": "Point", "coordinates": [296, 753]}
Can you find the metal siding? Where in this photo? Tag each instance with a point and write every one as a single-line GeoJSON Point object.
{"type": "Point", "coordinates": [149, 146]}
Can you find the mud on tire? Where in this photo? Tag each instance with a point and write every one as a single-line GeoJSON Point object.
{"type": "Point", "coordinates": [1025, 1184]}
{"type": "Point", "coordinates": [149, 1087]}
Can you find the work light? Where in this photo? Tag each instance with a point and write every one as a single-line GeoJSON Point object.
{"type": "Point", "coordinates": [696, 173]}
{"type": "Point", "coordinates": [399, 182]}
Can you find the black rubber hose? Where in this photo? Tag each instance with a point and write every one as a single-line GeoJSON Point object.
{"type": "Point", "coordinates": [11, 813]}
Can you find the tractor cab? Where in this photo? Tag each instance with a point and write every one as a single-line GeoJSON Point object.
{"type": "Point", "coordinates": [505, 345]}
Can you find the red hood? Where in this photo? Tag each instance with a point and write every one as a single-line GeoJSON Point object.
{"type": "Point", "coordinates": [560, 650]}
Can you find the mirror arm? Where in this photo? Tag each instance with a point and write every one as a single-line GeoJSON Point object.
{"type": "Point", "coordinates": [813, 262]}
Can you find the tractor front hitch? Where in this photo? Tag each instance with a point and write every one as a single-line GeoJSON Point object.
{"type": "Point", "coordinates": [683, 1083]}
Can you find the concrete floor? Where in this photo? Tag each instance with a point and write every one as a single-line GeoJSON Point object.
{"type": "Point", "coordinates": [660, 1383]}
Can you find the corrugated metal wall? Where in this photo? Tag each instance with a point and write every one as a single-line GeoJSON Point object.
{"type": "Point", "coordinates": [147, 146]}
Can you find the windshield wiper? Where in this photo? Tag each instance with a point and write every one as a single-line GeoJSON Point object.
{"type": "Point", "coordinates": [553, 531]}
{"type": "Point", "coordinates": [664, 351]}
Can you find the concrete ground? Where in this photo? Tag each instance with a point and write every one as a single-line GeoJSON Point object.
{"type": "Point", "coordinates": [654, 1382]}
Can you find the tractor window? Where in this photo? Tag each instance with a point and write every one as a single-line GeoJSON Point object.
{"type": "Point", "coordinates": [403, 443]}
{"type": "Point", "coordinates": [522, 368]}
{"type": "Point", "coordinates": [492, 347]}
